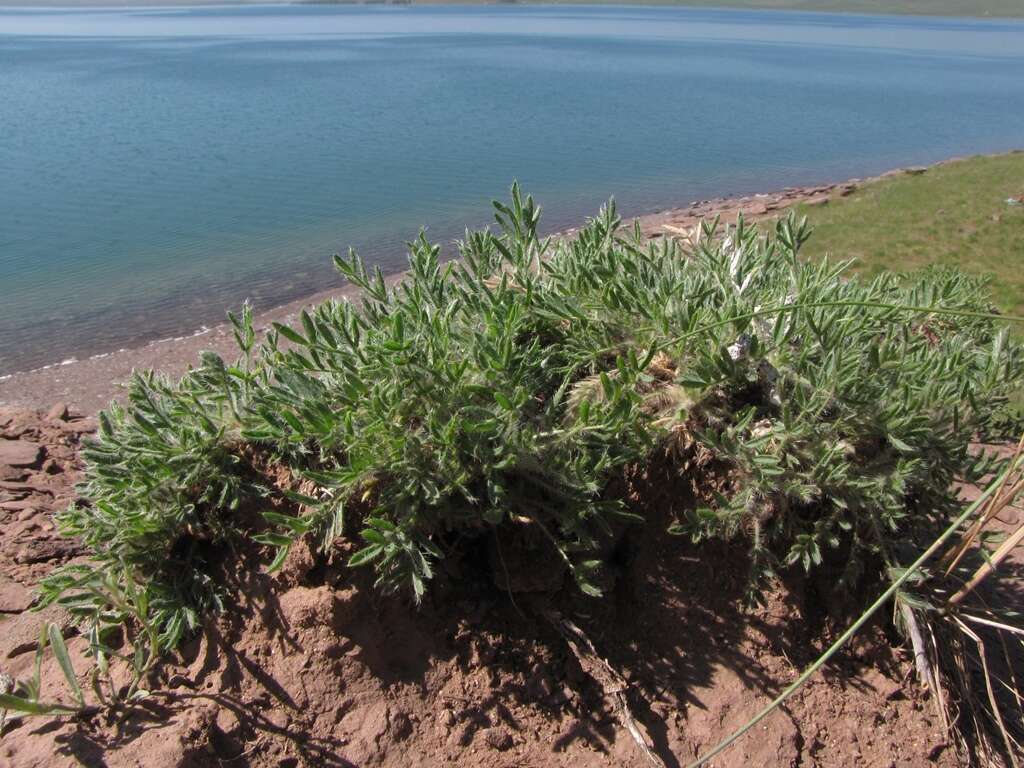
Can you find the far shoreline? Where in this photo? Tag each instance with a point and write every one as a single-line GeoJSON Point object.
{"type": "Point", "coordinates": [906, 8]}
{"type": "Point", "coordinates": [88, 385]}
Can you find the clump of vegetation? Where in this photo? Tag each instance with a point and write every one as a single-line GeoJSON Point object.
{"type": "Point", "coordinates": [509, 389]}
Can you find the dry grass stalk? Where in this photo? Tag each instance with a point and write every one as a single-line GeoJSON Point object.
{"type": "Point", "coordinates": [952, 637]}
{"type": "Point", "coordinates": [990, 565]}
{"type": "Point", "coordinates": [997, 502]}
{"type": "Point", "coordinates": [924, 670]}
{"type": "Point", "coordinates": [994, 710]}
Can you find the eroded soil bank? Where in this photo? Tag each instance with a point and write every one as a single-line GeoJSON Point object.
{"type": "Point", "coordinates": [313, 667]}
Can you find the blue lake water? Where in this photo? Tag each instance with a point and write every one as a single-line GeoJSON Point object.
{"type": "Point", "coordinates": [158, 166]}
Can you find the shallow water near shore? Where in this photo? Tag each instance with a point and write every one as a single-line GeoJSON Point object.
{"type": "Point", "coordinates": [158, 166]}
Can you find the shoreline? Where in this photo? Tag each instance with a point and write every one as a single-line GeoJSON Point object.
{"type": "Point", "coordinates": [88, 385]}
{"type": "Point", "coordinates": [723, 5]}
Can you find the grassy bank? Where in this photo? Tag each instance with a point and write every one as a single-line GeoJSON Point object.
{"type": "Point", "coordinates": [983, 8]}
{"type": "Point", "coordinates": [993, 8]}
{"type": "Point", "coordinates": [956, 214]}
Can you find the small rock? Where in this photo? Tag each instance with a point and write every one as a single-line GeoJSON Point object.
{"type": "Point", "coordinates": [226, 721]}
{"type": "Point", "coordinates": [80, 426]}
{"type": "Point", "coordinates": [23, 487]}
{"type": "Point", "coordinates": [20, 453]}
{"type": "Point", "coordinates": [14, 598]}
{"type": "Point", "coordinates": [11, 473]}
{"type": "Point", "coordinates": [59, 412]}
{"type": "Point", "coordinates": [816, 201]}
{"type": "Point", "coordinates": [21, 632]}
{"type": "Point", "coordinates": [17, 506]}
{"type": "Point", "coordinates": [43, 550]}
{"type": "Point", "coordinates": [20, 528]}
{"type": "Point", "coordinates": [498, 738]}
{"type": "Point", "coordinates": [883, 684]}
{"type": "Point", "coordinates": [279, 720]}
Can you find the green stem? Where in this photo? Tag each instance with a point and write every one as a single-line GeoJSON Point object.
{"type": "Point", "coordinates": [845, 637]}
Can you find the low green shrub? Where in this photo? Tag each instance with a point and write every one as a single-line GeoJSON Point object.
{"type": "Point", "coordinates": [511, 386]}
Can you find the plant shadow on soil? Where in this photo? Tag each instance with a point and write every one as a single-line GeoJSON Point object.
{"type": "Point", "coordinates": [314, 666]}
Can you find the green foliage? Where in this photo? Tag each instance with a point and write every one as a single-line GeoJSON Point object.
{"type": "Point", "coordinates": [511, 386]}
{"type": "Point", "coordinates": [22, 696]}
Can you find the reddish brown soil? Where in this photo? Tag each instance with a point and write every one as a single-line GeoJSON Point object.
{"type": "Point", "coordinates": [313, 667]}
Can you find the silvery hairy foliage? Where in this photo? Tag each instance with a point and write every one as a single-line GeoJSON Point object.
{"type": "Point", "coordinates": [511, 386]}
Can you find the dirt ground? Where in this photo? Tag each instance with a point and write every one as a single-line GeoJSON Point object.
{"type": "Point", "coordinates": [311, 666]}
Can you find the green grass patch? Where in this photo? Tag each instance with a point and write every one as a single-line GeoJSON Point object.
{"type": "Point", "coordinates": [955, 215]}
{"type": "Point", "coordinates": [994, 8]}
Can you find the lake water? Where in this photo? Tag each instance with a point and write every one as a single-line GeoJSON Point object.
{"type": "Point", "coordinates": [158, 166]}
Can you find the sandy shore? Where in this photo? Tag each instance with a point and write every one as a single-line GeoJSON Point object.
{"type": "Point", "coordinates": [89, 385]}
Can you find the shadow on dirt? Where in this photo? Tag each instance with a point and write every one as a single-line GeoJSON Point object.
{"type": "Point", "coordinates": [314, 667]}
